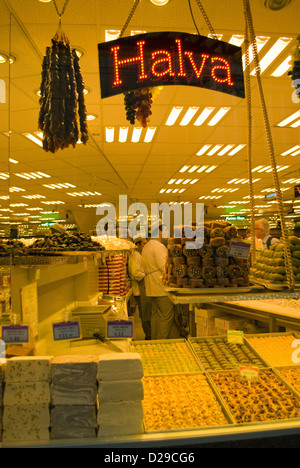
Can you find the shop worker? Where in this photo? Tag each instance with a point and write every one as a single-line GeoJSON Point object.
{"type": "Point", "coordinates": [154, 260]}
{"type": "Point", "coordinates": [137, 274]}
{"type": "Point", "coordinates": [262, 232]}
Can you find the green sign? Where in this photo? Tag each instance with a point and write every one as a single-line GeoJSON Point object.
{"type": "Point", "coordinates": [235, 218]}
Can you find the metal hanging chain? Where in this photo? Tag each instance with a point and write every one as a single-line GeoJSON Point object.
{"type": "Point", "coordinates": [132, 11]}
{"type": "Point", "coordinates": [287, 252]}
{"type": "Point", "coordinates": [249, 146]}
{"type": "Point", "coordinates": [63, 8]}
{"type": "Point", "coordinates": [206, 19]}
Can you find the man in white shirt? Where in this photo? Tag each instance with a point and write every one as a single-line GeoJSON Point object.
{"type": "Point", "coordinates": [137, 274]}
{"type": "Point", "coordinates": [154, 257]}
{"type": "Point", "coordinates": [262, 232]}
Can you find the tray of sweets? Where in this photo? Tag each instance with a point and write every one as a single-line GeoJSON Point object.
{"type": "Point", "coordinates": [275, 349]}
{"type": "Point", "coordinates": [216, 353]}
{"type": "Point", "coordinates": [182, 402]}
{"type": "Point", "coordinates": [265, 400]}
{"type": "Point", "coordinates": [166, 356]}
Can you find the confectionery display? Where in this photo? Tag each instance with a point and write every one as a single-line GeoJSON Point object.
{"type": "Point", "coordinates": [166, 357]}
{"type": "Point", "coordinates": [180, 402]}
{"type": "Point", "coordinates": [218, 354]}
{"type": "Point", "coordinates": [113, 275]}
{"type": "Point", "coordinates": [26, 399]}
{"type": "Point", "coordinates": [270, 264]}
{"type": "Point", "coordinates": [73, 396]}
{"type": "Point", "coordinates": [292, 376]}
{"type": "Point", "coordinates": [210, 265]}
{"type": "Point", "coordinates": [276, 350]}
{"type": "Point", "coordinates": [120, 394]}
{"type": "Point", "coordinates": [267, 399]}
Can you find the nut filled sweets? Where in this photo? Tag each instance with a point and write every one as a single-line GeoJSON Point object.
{"type": "Point", "coordinates": [267, 399]}
{"type": "Point", "coordinates": [180, 402]}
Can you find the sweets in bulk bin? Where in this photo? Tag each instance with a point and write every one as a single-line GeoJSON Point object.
{"type": "Point", "coordinates": [166, 358]}
{"type": "Point", "coordinates": [267, 399]}
{"type": "Point", "coordinates": [276, 350]}
{"type": "Point", "coordinates": [73, 396]}
{"type": "Point", "coordinates": [113, 276]}
{"type": "Point", "coordinates": [217, 354]}
{"type": "Point", "coordinates": [180, 402]}
{"type": "Point", "coordinates": [270, 264]}
{"type": "Point", "coordinates": [207, 266]}
{"type": "Point", "coordinates": [120, 394]}
{"type": "Point", "coordinates": [26, 402]}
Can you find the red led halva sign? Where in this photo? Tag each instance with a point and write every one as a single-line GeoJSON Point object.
{"type": "Point", "coordinates": [170, 58]}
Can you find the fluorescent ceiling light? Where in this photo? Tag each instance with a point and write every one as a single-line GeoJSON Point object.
{"type": "Point", "coordinates": [225, 150]}
{"type": "Point", "coordinates": [203, 150]}
{"type": "Point", "coordinates": [109, 134]}
{"type": "Point", "coordinates": [123, 132]}
{"type": "Point", "coordinates": [203, 116]}
{"type": "Point", "coordinates": [34, 139]}
{"type": "Point", "coordinates": [289, 119]}
{"type": "Point", "coordinates": [184, 168]}
{"type": "Point", "coordinates": [112, 34]}
{"type": "Point", "coordinates": [236, 39]}
{"type": "Point", "coordinates": [174, 114]}
{"type": "Point", "coordinates": [214, 150]}
{"type": "Point", "coordinates": [295, 124]}
{"type": "Point", "coordinates": [188, 116]}
{"type": "Point", "coordinates": [136, 134]}
{"type": "Point", "coordinates": [291, 150]}
{"type": "Point", "coordinates": [283, 67]}
{"type": "Point", "coordinates": [13, 161]}
{"type": "Point", "coordinates": [260, 43]}
{"type": "Point", "coordinates": [149, 134]}
{"type": "Point", "coordinates": [193, 168]}
{"type": "Point", "coordinates": [235, 150]}
{"type": "Point", "coordinates": [218, 116]}
{"type": "Point", "coordinates": [273, 53]}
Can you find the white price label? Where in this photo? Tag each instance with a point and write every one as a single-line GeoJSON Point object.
{"type": "Point", "coordinates": [239, 249]}
{"type": "Point", "coordinates": [249, 373]}
{"type": "Point", "coordinates": [120, 329]}
{"type": "Point", "coordinates": [235, 336]}
{"type": "Point", "coordinates": [66, 330]}
{"type": "Point", "coordinates": [15, 333]}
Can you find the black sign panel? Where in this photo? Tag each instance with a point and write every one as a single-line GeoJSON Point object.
{"type": "Point", "coordinates": [170, 58]}
{"type": "Point", "coordinates": [297, 191]}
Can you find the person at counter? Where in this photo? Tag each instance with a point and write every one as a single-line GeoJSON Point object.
{"type": "Point", "coordinates": [262, 232]}
{"type": "Point", "coordinates": [137, 274]}
{"type": "Point", "coordinates": [154, 256]}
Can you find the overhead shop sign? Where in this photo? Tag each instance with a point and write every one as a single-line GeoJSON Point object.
{"type": "Point", "coordinates": [170, 58]}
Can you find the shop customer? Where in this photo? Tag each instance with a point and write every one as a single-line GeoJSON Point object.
{"type": "Point", "coordinates": [262, 232]}
{"type": "Point", "coordinates": [154, 259]}
{"type": "Point", "coordinates": [137, 274]}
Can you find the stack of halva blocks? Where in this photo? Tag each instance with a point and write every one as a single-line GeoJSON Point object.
{"type": "Point", "coordinates": [71, 396]}
{"type": "Point", "coordinates": [74, 396]}
{"type": "Point", "coordinates": [120, 395]}
{"type": "Point", "coordinates": [26, 399]}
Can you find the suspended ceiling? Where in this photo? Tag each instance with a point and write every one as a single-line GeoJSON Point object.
{"type": "Point", "coordinates": [142, 170]}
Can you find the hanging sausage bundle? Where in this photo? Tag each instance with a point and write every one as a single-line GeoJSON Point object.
{"type": "Point", "coordinates": [62, 116]}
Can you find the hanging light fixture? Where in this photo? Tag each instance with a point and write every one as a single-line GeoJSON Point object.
{"type": "Point", "coordinates": [159, 2]}
{"type": "Point", "coordinates": [276, 4]}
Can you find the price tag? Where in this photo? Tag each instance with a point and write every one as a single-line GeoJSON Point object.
{"type": "Point", "coordinates": [15, 333]}
{"type": "Point", "coordinates": [66, 330]}
{"type": "Point", "coordinates": [120, 329]}
{"type": "Point", "coordinates": [239, 249]}
{"type": "Point", "coordinates": [235, 336]}
{"type": "Point", "coordinates": [249, 373]}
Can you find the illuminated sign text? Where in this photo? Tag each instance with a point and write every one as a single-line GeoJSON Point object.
{"type": "Point", "coordinates": [169, 58]}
